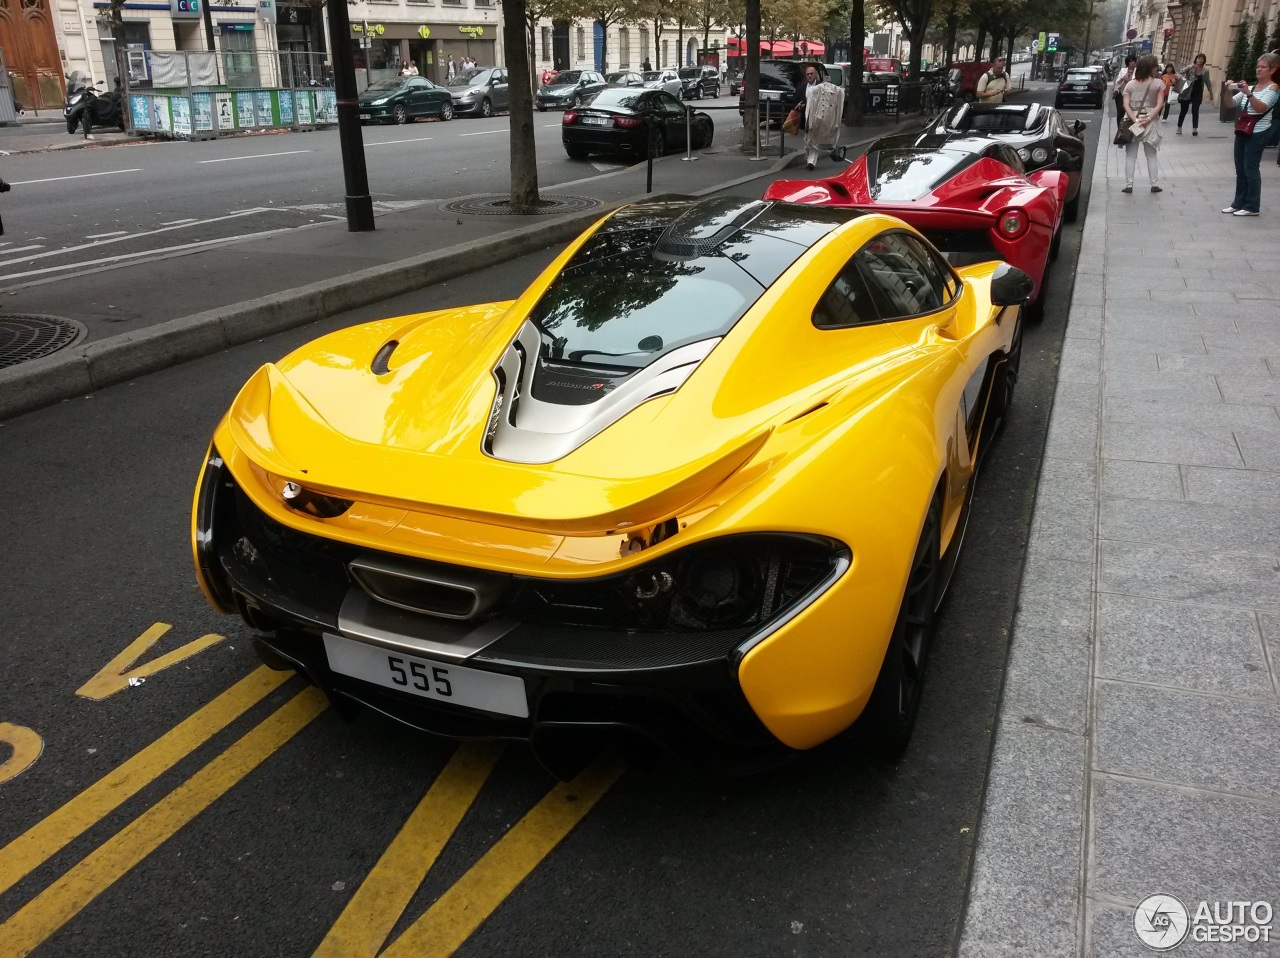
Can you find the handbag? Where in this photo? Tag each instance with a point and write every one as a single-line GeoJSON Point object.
{"type": "Point", "coordinates": [791, 125]}
{"type": "Point", "coordinates": [1246, 121]}
{"type": "Point", "coordinates": [1124, 132]}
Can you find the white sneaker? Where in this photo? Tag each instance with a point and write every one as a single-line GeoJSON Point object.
{"type": "Point", "coordinates": [1228, 209]}
{"type": "Point", "coordinates": [1244, 213]}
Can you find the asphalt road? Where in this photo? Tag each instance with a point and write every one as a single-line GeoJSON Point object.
{"type": "Point", "coordinates": [75, 207]}
{"type": "Point", "coordinates": [249, 829]}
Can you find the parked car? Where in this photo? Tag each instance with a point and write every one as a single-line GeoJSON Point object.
{"type": "Point", "coordinates": [404, 99]}
{"type": "Point", "coordinates": [614, 123]}
{"type": "Point", "coordinates": [697, 82]}
{"type": "Point", "coordinates": [969, 194]}
{"type": "Point", "coordinates": [667, 80]}
{"type": "Point", "coordinates": [735, 83]}
{"type": "Point", "coordinates": [569, 89]}
{"type": "Point", "coordinates": [886, 69]}
{"type": "Point", "coordinates": [834, 72]}
{"type": "Point", "coordinates": [444, 517]}
{"type": "Point", "coordinates": [782, 86]}
{"type": "Point", "coordinates": [1036, 131]}
{"type": "Point", "coordinates": [482, 91]}
{"type": "Point", "coordinates": [1087, 85]}
{"type": "Point", "coordinates": [624, 79]}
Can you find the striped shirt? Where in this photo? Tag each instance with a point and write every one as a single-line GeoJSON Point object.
{"type": "Point", "coordinates": [1268, 97]}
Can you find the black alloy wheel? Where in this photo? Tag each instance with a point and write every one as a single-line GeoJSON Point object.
{"type": "Point", "coordinates": [1072, 210]}
{"type": "Point", "coordinates": [884, 727]}
{"type": "Point", "coordinates": [575, 101]}
{"type": "Point", "coordinates": [486, 108]}
{"type": "Point", "coordinates": [446, 110]}
{"type": "Point", "coordinates": [1035, 311]}
{"type": "Point", "coordinates": [399, 115]}
{"type": "Point", "coordinates": [1056, 246]}
{"type": "Point", "coordinates": [576, 152]}
{"type": "Point", "coordinates": [717, 93]}
{"type": "Point", "coordinates": [1007, 376]}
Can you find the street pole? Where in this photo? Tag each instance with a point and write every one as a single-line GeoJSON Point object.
{"type": "Point", "coordinates": [356, 177]}
{"type": "Point", "coordinates": [207, 15]}
{"type": "Point", "coordinates": [1088, 28]}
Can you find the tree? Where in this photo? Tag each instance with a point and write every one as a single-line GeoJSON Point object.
{"type": "Point", "coordinates": [751, 79]}
{"type": "Point", "coordinates": [656, 13]}
{"type": "Point", "coordinates": [1259, 45]}
{"type": "Point", "coordinates": [1239, 52]}
{"type": "Point", "coordinates": [524, 157]}
{"type": "Point", "coordinates": [914, 15]}
{"type": "Point", "coordinates": [853, 81]}
{"type": "Point", "coordinates": [607, 13]}
{"type": "Point", "coordinates": [535, 11]}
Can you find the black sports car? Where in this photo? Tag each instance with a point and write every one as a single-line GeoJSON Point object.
{"type": "Point", "coordinates": [1037, 132]}
{"type": "Point", "coordinates": [614, 123]}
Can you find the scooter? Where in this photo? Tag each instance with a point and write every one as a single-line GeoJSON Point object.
{"type": "Point", "coordinates": [86, 107]}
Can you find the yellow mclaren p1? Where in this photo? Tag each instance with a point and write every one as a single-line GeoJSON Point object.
{"type": "Point", "coordinates": [701, 486]}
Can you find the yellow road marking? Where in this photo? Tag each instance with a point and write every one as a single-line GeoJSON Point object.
{"type": "Point", "coordinates": [115, 675]}
{"type": "Point", "coordinates": [373, 911]}
{"type": "Point", "coordinates": [27, 746]}
{"type": "Point", "coordinates": [475, 896]}
{"type": "Point", "coordinates": [64, 899]}
{"type": "Point", "coordinates": [34, 847]}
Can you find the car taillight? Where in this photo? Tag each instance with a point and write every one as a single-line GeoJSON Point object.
{"type": "Point", "coordinates": [569, 117]}
{"type": "Point", "coordinates": [627, 122]}
{"type": "Point", "coordinates": [1012, 224]}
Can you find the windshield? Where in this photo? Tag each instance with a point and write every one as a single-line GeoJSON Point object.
{"type": "Point", "coordinates": [902, 175]}
{"type": "Point", "coordinates": [653, 76]}
{"type": "Point", "coordinates": [780, 76]}
{"type": "Point", "coordinates": [569, 76]}
{"type": "Point", "coordinates": [469, 78]}
{"type": "Point", "coordinates": [381, 86]}
{"type": "Point", "coordinates": [1081, 76]}
{"type": "Point", "coordinates": [998, 121]}
{"type": "Point", "coordinates": [618, 97]}
{"type": "Point", "coordinates": [690, 73]}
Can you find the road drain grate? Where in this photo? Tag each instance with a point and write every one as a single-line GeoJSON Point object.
{"type": "Point", "coordinates": [499, 204]}
{"type": "Point", "coordinates": [27, 336]}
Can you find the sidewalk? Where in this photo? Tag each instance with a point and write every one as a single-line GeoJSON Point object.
{"type": "Point", "coordinates": [48, 131]}
{"type": "Point", "coordinates": [1138, 744]}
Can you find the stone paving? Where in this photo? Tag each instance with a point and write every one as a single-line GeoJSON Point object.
{"type": "Point", "coordinates": [1138, 744]}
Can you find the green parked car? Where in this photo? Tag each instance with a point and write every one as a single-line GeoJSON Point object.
{"type": "Point", "coordinates": [403, 99]}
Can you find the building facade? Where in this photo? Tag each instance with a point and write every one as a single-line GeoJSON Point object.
{"type": "Point", "coordinates": [587, 45]}
{"type": "Point", "coordinates": [1176, 30]}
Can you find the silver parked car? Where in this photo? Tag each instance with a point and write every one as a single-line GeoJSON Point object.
{"type": "Point", "coordinates": [667, 80]}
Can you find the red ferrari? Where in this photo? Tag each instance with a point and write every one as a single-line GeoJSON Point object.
{"type": "Point", "coordinates": [969, 195]}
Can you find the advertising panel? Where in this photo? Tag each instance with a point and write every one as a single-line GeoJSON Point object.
{"type": "Point", "coordinates": [265, 115]}
{"type": "Point", "coordinates": [202, 106]}
{"type": "Point", "coordinates": [244, 111]}
{"type": "Point", "coordinates": [303, 99]}
{"type": "Point", "coordinates": [181, 108]}
{"type": "Point", "coordinates": [141, 110]}
{"type": "Point", "coordinates": [226, 114]}
{"type": "Point", "coordinates": [286, 108]}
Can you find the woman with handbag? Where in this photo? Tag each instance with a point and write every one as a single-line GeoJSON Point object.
{"type": "Point", "coordinates": [1143, 99]}
{"type": "Point", "coordinates": [1172, 84]}
{"type": "Point", "coordinates": [1257, 113]}
{"type": "Point", "coordinates": [1117, 91]}
{"type": "Point", "coordinates": [1194, 88]}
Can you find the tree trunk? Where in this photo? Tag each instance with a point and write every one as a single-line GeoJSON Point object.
{"type": "Point", "coordinates": [679, 42]}
{"type": "Point", "coordinates": [751, 78]}
{"type": "Point", "coordinates": [953, 24]}
{"type": "Point", "coordinates": [853, 83]}
{"type": "Point", "coordinates": [657, 43]}
{"type": "Point", "coordinates": [978, 44]}
{"type": "Point", "coordinates": [916, 37]}
{"type": "Point", "coordinates": [524, 157]}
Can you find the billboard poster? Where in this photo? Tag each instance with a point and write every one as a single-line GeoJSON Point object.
{"type": "Point", "coordinates": [160, 113]}
{"type": "Point", "coordinates": [326, 106]}
{"type": "Point", "coordinates": [202, 108]}
{"type": "Point", "coordinates": [141, 110]}
{"type": "Point", "coordinates": [244, 111]}
{"type": "Point", "coordinates": [286, 108]}
{"type": "Point", "coordinates": [303, 98]}
{"type": "Point", "coordinates": [226, 119]}
{"type": "Point", "coordinates": [181, 107]}
{"type": "Point", "coordinates": [264, 108]}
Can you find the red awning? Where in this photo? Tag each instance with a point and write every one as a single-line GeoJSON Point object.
{"type": "Point", "coordinates": [779, 48]}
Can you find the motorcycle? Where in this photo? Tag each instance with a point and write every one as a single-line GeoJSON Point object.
{"type": "Point", "coordinates": [87, 107]}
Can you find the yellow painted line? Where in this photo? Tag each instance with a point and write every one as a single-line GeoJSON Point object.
{"type": "Point", "coordinates": [27, 746]}
{"type": "Point", "coordinates": [373, 911]}
{"type": "Point", "coordinates": [63, 900]}
{"type": "Point", "coordinates": [35, 846]}
{"type": "Point", "coordinates": [115, 675]}
{"type": "Point", "coordinates": [477, 894]}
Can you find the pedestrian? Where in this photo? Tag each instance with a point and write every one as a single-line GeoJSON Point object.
{"type": "Point", "coordinates": [1195, 90]}
{"type": "Point", "coordinates": [823, 108]}
{"type": "Point", "coordinates": [1143, 99]}
{"type": "Point", "coordinates": [646, 66]}
{"type": "Point", "coordinates": [453, 68]}
{"type": "Point", "coordinates": [994, 83]}
{"type": "Point", "coordinates": [1117, 91]}
{"type": "Point", "coordinates": [1172, 84]}
{"type": "Point", "coordinates": [413, 69]}
{"type": "Point", "coordinates": [404, 68]}
{"type": "Point", "coordinates": [1252, 134]}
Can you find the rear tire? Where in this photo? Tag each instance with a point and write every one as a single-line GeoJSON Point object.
{"type": "Point", "coordinates": [1072, 209]}
{"type": "Point", "coordinates": [1056, 246]}
{"type": "Point", "coordinates": [1035, 311]}
{"type": "Point", "coordinates": [885, 725]}
{"type": "Point", "coordinates": [1007, 377]}
{"type": "Point", "coordinates": [576, 152]}
{"type": "Point", "coordinates": [446, 111]}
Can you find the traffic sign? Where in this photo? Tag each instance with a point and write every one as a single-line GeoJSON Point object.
{"type": "Point", "coordinates": [1035, 46]}
{"type": "Point", "coordinates": [1131, 34]}
{"type": "Point", "coordinates": [1053, 43]}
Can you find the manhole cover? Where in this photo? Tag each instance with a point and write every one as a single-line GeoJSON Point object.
{"type": "Point", "coordinates": [26, 336]}
{"type": "Point", "coordinates": [499, 204]}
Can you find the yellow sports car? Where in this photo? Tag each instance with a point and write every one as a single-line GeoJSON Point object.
{"type": "Point", "coordinates": [701, 486]}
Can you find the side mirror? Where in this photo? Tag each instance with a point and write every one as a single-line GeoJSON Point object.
{"type": "Point", "coordinates": [1010, 286]}
{"type": "Point", "coordinates": [1077, 127]}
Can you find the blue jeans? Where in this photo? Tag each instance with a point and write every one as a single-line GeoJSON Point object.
{"type": "Point", "coordinates": [1248, 172]}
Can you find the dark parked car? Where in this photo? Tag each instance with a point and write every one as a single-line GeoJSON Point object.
{"type": "Point", "coordinates": [624, 79]}
{"type": "Point", "coordinates": [735, 84]}
{"type": "Point", "coordinates": [481, 92]}
{"type": "Point", "coordinates": [697, 82]}
{"type": "Point", "coordinates": [614, 123]}
{"type": "Point", "coordinates": [1087, 85]}
{"type": "Point", "coordinates": [1043, 139]}
{"type": "Point", "coordinates": [782, 85]}
{"type": "Point", "coordinates": [569, 89]}
{"type": "Point", "coordinates": [403, 99]}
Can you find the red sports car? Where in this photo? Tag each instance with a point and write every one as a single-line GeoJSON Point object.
{"type": "Point", "coordinates": [969, 195]}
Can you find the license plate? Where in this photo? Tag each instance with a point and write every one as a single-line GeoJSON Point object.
{"type": "Point", "coordinates": [444, 682]}
{"type": "Point", "coordinates": [365, 116]}
{"type": "Point", "coordinates": [770, 95]}
{"type": "Point", "coordinates": [1080, 86]}
{"type": "Point", "coordinates": [596, 120]}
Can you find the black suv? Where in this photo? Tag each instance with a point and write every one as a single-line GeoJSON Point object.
{"type": "Point", "coordinates": [782, 86]}
{"type": "Point", "coordinates": [697, 82]}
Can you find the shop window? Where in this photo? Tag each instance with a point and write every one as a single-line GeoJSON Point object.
{"type": "Point", "coordinates": [582, 43]}
{"type": "Point", "coordinates": [624, 48]}
{"type": "Point", "coordinates": [546, 44]}
{"type": "Point", "coordinates": [644, 44]}
{"type": "Point", "coordinates": [665, 59]}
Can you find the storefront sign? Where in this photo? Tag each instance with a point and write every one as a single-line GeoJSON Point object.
{"type": "Point", "coordinates": [266, 10]}
{"type": "Point", "coordinates": [373, 29]}
{"type": "Point", "coordinates": [424, 31]}
{"type": "Point", "coordinates": [184, 9]}
{"type": "Point", "coordinates": [473, 32]}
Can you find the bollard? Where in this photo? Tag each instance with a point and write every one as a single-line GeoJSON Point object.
{"type": "Point", "coordinates": [757, 130]}
{"type": "Point", "coordinates": [688, 135]}
{"type": "Point", "coordinates": [648, 186]}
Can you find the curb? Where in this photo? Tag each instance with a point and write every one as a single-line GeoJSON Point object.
{"type": "Point", "coordinates": [79, 370]}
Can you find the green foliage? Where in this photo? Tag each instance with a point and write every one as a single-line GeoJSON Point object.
{"type": "Point", "coordinates": [1258, 47]}
{"type": "Point", "coordinates": [1239, 53]}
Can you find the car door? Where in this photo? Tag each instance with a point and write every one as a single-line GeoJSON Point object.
{"type": "Point", "coordinates": [500, 90]}
{"type": "Point", "coordinates": [671, 112]}
{"type": "Point", "coordinates": [417, 96]}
